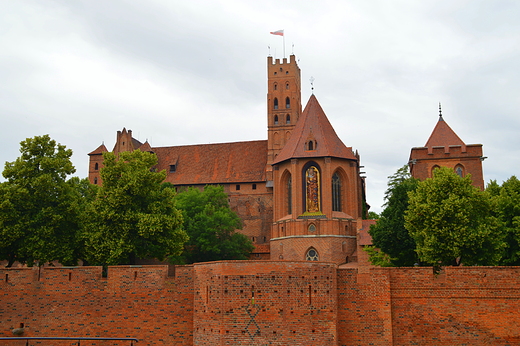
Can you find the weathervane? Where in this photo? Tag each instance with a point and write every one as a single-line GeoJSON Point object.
{"type": "Point", "coordinates": [312, 84]}
{"type": "Point", "coordinates": [440, 110]}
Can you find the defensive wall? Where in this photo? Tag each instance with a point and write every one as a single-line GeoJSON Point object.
{"type": "Point", "coordinates": [264, 303]}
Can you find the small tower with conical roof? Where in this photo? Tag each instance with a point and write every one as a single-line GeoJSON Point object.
{"type": "Point", "coordinates": [444, 148]}
{"type": "Point", "coordinates": [317, 195]}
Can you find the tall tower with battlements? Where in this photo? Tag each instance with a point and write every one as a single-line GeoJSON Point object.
{"type": "Point", "coordinates": [284, 105]}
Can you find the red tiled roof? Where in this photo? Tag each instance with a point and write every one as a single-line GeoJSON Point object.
{"type": "Point", "coordinates": [262, 248]}
{"type": "Point", "coordinates": [214, 163]}
{"type": "Point", "coordinates": [314, 125]}
{"type": "Point", "coordinates": [443, 136]}
{"type": "Point", "coordinates": [145, 147]}
{"type": "Point", "coordinates": [100, 150]}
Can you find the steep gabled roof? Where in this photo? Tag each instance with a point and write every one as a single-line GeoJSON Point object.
{"type": "Point", "coordinates": [443, 136]}
{"type": "Point", "coordinates": [100, 150]}
{"type": "Point", "coordinates": [314, 125]}
{"type": "Point", "coordinates": [145, 147]}
{"type": "Point", "coordinates": [214, 163]}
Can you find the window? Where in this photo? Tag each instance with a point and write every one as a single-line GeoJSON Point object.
{"type": "Point", "coordinates": [336, 192]}
{"type": "Point", "coordinates": [173, 168]}
{"type": "Point", "coordinates": [311, 145]}
{"type": "Point", "coordinates": [276, 119]}
{"type": "Point", "coordinates": [459, 170]}
{"type": "Point", "coordinates": [289, 195]}
{"type": "Point", "coordinates": [312, 188]}
{"type": "Point", "coordinates": [275, 86]}
{"type": "Point", "coordinates": [287, 103]}
{"type": "Point", "coordinates": [288, 119]}
{"type": "Point", "coordinates": [95, 180]}
{"type": "Point", "coordinates": [96, 167]}
{"type": "Point", "coordinates": [312, 228]}
{"type": "Point", "coordinates": [275, 103]}
{"type": "Point", "coordinates": [312, 255]}
{"type": "Point", "coordinates": [254, 186]}
{"type": "Point", "coordinates": [237, 187]}
{"type": "Point", "coordinates": [286, 86]}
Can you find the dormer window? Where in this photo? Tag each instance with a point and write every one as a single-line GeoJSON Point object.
{"type": "Point", "coordinates": [173, 168]}
{"type": "Point", "coordinates": [311, 145]}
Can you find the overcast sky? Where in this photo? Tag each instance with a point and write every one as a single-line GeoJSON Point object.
{"type": "Point", "coordinates": [193, 72]}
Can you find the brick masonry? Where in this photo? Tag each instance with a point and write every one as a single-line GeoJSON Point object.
{"type": "Point", "coordinates": [265, 303]}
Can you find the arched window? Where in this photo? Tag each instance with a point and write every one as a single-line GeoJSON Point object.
{"type": "Point", "coordinates": [312, 255]}
{"type": "Point", "coordinates": [286, 86]}
{"type": "Point", "coordinates": [276, 119]}
{"type": "Point", "coordinates": [96, 167]}
{"type": "Point", "coordinates": [288, 119]}
{"type": "Point", "coordinates": [336, 192]}
{"type": "Point", "coordinates": [275, 103]}
{"type": "Point", "coordinates": [287, 102]}
{"type": "Point", "coordinates": [311, 145]}
{"type": "Point", "coordinates": [312, 191]}
{"type": "Point", "coordinates": [275, 86]}
{"type": "Point", "coordinates": [289, 194]}
{"type": "Point", "coordinates": [311, 228]}
{"type": "Point", "coordinates": [95, 180]}
{"type": "Point", "coordinates": [459, 170]}
{"type": "Point", "coordinates": [433, 169]}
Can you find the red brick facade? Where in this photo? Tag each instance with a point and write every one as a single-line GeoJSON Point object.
{"type": "Point", "coordinates": [445, 149]}
{"type": "Point", "coordinates": [265, 303]}
{"type": "Point", "coordinates": [255, 175]}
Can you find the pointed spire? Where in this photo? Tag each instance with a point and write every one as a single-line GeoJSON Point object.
{"type": "Point", "coordinates": [314, 136]}
{"type": "Point", "coordinates": [443, 135]}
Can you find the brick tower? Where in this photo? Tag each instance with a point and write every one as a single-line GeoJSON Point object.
{"type": "Point", "coordinates": [317, 193]}
{"type": "Point", "coordinates": [284, 105]}
{"type": "Point", "coordinates": [444, 148]}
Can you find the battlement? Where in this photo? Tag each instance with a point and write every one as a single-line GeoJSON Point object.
{"type": "Point", "coordinates": [272, 61]}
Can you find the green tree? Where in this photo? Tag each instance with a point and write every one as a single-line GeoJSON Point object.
{"type": "Point", "coordinates": [39, 208]}
{"type": "Point", "coordinates": [389, 233]}
{"type": "Point", "coordinates": [451, 222]}
{"type": "Point", "coordinates": [133, 215]}
{"type": "Point", "coordinates": [211, 226]}
{"type": "Point", "coordinates": [507, 209]}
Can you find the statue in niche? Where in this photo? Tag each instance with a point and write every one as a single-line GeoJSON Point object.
{"type": "Point", "coordinates": [313, 187]}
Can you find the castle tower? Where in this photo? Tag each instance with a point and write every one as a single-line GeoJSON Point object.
{"type": "Point", "coordinates": [283, 105]}
{"type": "Point", "coordinates": [95, 164]}
{"type": "Point", "coordinates": [444, 148]}
{"type": "Point", "coordinates": [318, 193]}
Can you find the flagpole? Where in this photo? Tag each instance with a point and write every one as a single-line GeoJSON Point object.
{"type": "Point", "coordinates": [284, 45]}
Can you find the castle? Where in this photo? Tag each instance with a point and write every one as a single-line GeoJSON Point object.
{"type": "Point", "coordinates": [301, 197]}
{"type": "Point", "coordinates": [300, 193]}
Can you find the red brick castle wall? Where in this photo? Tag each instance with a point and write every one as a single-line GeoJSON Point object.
{"type": "Point", "coordinates": [265, 303]}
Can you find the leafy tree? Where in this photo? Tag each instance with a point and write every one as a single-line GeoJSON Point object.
{"type": "Point", "coordinates": [133, 215]}
{"type": "Point", "coordinates": [507, 209]}
{"type": "Point", "coordinates": [39, 208]}
{"type": "Point", "coordinates": [451, 222]}
{"type": "Point", "coordinates": [211, 226]}
{"type": "Point", "coordinates": [389, 233]}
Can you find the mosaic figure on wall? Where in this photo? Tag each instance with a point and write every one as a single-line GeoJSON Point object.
{"type": "Point", "coordinates": [313, 190]}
